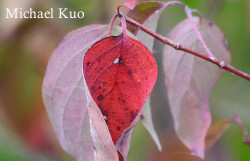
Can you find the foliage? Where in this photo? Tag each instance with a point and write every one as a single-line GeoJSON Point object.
{"type": "Point", "coordinates": [24, 112]}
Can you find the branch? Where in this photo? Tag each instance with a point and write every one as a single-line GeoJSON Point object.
{"type": "Point", "coordinates": [177, 46]}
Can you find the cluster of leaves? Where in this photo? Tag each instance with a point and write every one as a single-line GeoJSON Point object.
{"type": "Point", "coordinates": [92, 125]}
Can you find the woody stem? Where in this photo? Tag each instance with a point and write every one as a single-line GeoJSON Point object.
{"type": "Point", "coordinates": [177, 46]}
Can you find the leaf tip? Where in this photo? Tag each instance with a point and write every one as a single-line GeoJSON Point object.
{"type": "Point", "coordinates": [159, 147]}
{"type": "Point", "coordinates": [198, 153]}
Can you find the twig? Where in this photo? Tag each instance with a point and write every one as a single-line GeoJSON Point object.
{"type": "Point", "coordinates": [177, 46]}
{"type": "Point", "coordinates": [189, 15]}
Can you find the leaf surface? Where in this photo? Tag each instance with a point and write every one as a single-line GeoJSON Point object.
{"type": "Point", "coordinates": [190, 79]}
{"type": "Point", "coordinates": [147, 121]}
{"type": "Point", "coordinates": [120, 73]}
{"type": "Point", "coordinates": [130, 4]}
{"type": "Point", "coordinates": [63, 96]}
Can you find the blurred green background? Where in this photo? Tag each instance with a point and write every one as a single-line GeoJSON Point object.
{"type": "Point", "coordinates": [26, 45]}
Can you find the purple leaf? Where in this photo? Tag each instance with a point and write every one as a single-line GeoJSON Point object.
{"type": "Point", "coordinates": [190, 79]}
{"type": "Point", "coordinates": [130, 4]}
{"type": "Point", "coordinates": [146, 120]}
{"type": "Point", "coordinates": [123, 143]}
{"type": "Point", "coordinates": [63, 93]}
{"type": "Point", "coordinates": [103, 144]}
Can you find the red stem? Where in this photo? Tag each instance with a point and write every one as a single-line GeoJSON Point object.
{"type": "Point", "coordinates": [112, 24]}
{"type": "Point", "coordinates": [177, 46]}
{"type": "Point", "coordinates": [118, 9]}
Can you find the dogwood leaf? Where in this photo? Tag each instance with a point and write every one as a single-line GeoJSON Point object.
{"type": "Point", "coordinates": [63, 94]}
{"type": "Point", "coordinates": [190, 79]}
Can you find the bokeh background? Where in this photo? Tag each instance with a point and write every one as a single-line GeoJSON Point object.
{"type": "Point", "coordinates": [25, 48]}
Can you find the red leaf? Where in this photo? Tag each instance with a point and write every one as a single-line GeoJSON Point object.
{"type": "Point", "coordinates": [120, 73]}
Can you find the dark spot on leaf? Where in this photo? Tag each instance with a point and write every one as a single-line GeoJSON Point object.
{"type": "Point", "coordinates": [113, 113]}
{"type": "Point", "coordinates": [129, 72]}
{"type": "Point", "coordinates": [123, 101]}
{"type": "Point", "coordinates": [131, 120]}
{"type": "Point", "coordinates": [100, 97]}
{"type": "Point", "coordinates": [125, 108]}
{"type": "Point", "coordinates": [88, 63]}
{"type": "Point", "coordinates": [133, 114]}
{"type": "Point", "coordinates": [118, 128]}
{"type": "Point", "coordinates": [103, 90]}
{"type": "Point", "coordinates": [210, 24]}
{"type": "Point", "coordinates": [92, 88]}
{"type": "Point", "coordinates": [103, 83]}
{"type": "Point", "coordinates": [99, 87]}
{"type": "Point", "coordinates": [122, 82]}
{"type": "Point", "coordinates": [105, 112]}
{"type": "Point", "coordinates": [121, 61]}
{"type": "Point", "coordinates": [119, 98]}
